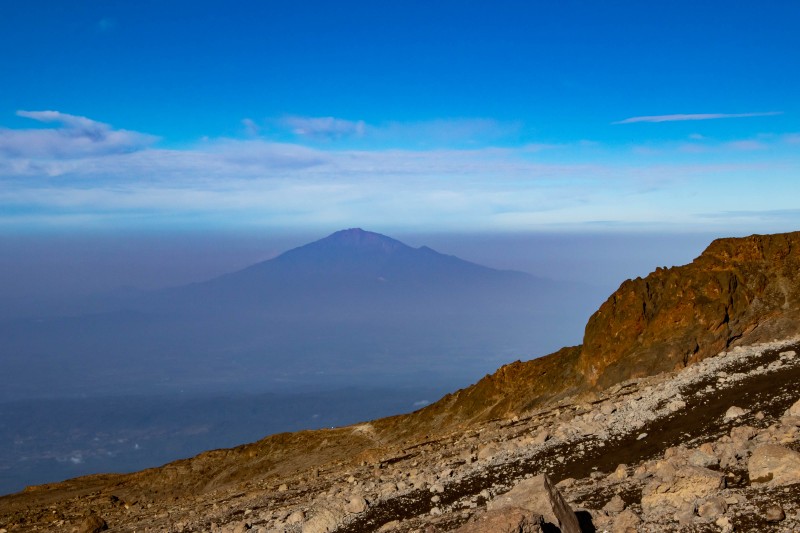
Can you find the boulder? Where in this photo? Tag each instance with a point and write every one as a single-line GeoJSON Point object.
{"type": "Point", "coordinates": [677, 487]}
{"type": "Point", "coordinates": [626, 522]}
{"type": "Point", "coordinates": [324, 521]}
{"type": "Point", "coordinates": [92, 524]}
{"type": "Point", "coordinates": [703, 458]}
{"type": "Point", "coordinates": [539, 495]}
{"type": "Point", "coordinates": [774, 463]}
{"type": "Point", "coordinates": [712, 508]}
{"type": "Point", "coordinates": [615, 504]}
{"type": "Point", "coordinates": [794, 410]}
{"type": "Point", "coordinates": [734, 412]}
{"type": "Point", "coordinates": [357, 504]}
{"type": "Point", "coordinates": [507, 520]}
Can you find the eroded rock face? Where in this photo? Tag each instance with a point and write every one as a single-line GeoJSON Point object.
{"type": "Point", "coordinates": [738, 291]}
{"type": "Point", "coordinates": [676, 316]}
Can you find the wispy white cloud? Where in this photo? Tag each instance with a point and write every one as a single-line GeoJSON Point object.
{"type": "Point", "coordinates": [324, 127]}
{"type": "Point", "coordinates": [251, 129]}
{"type": "Point", "coordinates": [746, 145]}
{"type": "Point", "coordinates": [76, 136]}
{"type": "Point", "coordinates": [256, 181]}
{"type": "Point", "coordinates": [696, 116]}
{"type": "Point", "coordinates": [429, 133]}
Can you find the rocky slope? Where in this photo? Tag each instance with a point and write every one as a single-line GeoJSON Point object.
{"type": "Point", "coordinates": [643, 391]}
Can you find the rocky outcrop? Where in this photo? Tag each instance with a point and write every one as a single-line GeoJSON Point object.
{"type": "Point", "coordinates": [738, 290]}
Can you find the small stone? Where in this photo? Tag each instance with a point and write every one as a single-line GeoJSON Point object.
{"type": "Point", "coordinates": [389, 526]}
{"type": "Point", "coordinates": [92, 524]}
{"type": "Point", "coordinates": [436, 499]}
{"type": "Point", "coordinates": [712, 508]}
{"type": "Point", "coordinates": [436, 511]}
{"type": "Point", "coordinates": [608, 408]}
{"type": "Point", "coordinates": [641, 436]}
{"type": "Point", "coordinates": [615, 505]}
{"type": "Point", "coordinates": [626, 522]}
{"type": "Point", "coordinates": [774, 513]}
{"type": "Point", "coordinates": [794, 410]}
{"type": "Point", "coordinates": [734, 412]}
{"type": "Point", "coordinates": [283, 488]}
{"type": "Point", "coordinates": [724, 524]}
{"type": "Point", "coordinates": [541, 437]}
{"type": "Point", "coordinates": [296, 517]}
{"type": "Point", "coordinates": [356, 505]}
{"type": "Point", "coordinates": [620, 473]}
{"type": "Point", "coordinates": [566, 483]}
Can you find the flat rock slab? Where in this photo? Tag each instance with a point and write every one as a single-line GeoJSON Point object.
{"type": "Point", "coordinates": [508, 520]}
{"type": "Point", "coordinates": [774, 463]}
{"type": "Point", "coordinates": [539, 495]}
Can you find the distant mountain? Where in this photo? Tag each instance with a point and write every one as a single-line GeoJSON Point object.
{"type": "Point", "coordinates": [357, 270]}
{"type": "Point", "coordinates": [353, 308]}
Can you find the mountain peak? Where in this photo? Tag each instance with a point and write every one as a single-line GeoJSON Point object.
{"type": "Point", "coordinates": [361, 238]}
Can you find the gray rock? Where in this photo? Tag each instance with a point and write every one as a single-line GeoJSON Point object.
{"type": "Point", "coordinates": [703, 459]}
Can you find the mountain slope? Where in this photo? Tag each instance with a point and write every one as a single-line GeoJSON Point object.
{"type": "Point", "coordinates": [739, 291]}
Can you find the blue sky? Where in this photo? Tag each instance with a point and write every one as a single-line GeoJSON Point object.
{"type": "Point", "coordinates": [400, 116]}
